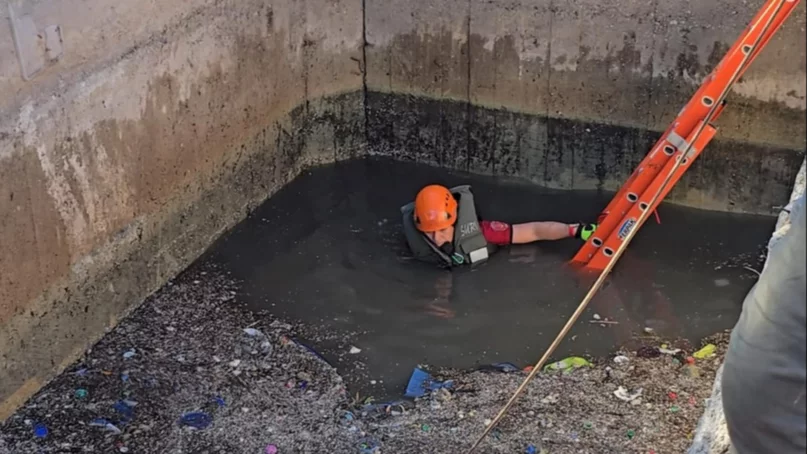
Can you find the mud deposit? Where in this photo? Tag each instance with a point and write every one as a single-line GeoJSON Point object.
{"type": "Point", "coordinates": [193, 347]}
{"type": "Point", "coordinates": [327, 251]}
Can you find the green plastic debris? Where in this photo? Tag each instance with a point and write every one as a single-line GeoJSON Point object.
{"type": "Point", "coordinates": [674, 409]}
{"type": "Point", "coordinates": [572, 362]}
{"type": "Point", "coordinates": [631, 433]}
{"type": "Point", "coordinates": [425, 428]}
{"type": "Point", "coordinates": [588, 425]}
{"type": "Point", "coordinates": [81, 393]}
{"type": "Point", "coordinates": [707, 351]}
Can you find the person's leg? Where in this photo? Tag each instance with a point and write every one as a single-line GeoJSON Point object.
{"type": "Point", "coordinates": [764, 371]}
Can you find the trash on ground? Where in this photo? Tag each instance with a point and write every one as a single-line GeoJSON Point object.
{"type": "Point", "coordinates": [500, 367]}
{"type": "Point", "coordinates": [621, 359]}
{"type": "Point", "coordinates": [443, 394]}
{"type": "Point", "coordinates": [252, 332]}
{"type": "Point", "coordinates": [572, 362]}
{"type": "Point", "coordinates": [126, 409]}
{"type": "Point", "coordinates": [421, 382]}
{"type": "Point", "coordinates": [81, 393]}
{"type": "Point", "coordinates": [271, 449]}
{"type": "Point", "coordinates": [691, 370]}
{"type": "Point", "coordinates": [707, 351]}
{"type": "Point", "coordinates": [197, 420]}
{"type": "Point", "coordinates": [40, 430]}
{"type": "Point", "coordinates": [369, 446]}
{"type": "Point", "coordinates": [129, 354]}
{"type": "Point", "coordinates": [550, 399]}
{"type": "Point", "coordinates": [101, 422]}
{"type": "Point", "coordinates": [354, 350]}
{"type": "Point", "coordinates": [622, 394]}
{"type": "Point", "coordinates": [648, 352]}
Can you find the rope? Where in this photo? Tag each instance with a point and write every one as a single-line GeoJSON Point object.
{"type": "Point", "coordinates": [642, 218]}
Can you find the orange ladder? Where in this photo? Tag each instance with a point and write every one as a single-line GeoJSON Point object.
{"type": "Point", "coordinates": [681, 143]}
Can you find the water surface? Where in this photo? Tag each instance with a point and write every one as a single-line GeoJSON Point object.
{"type": "Point", "coordinates": [328, 250]}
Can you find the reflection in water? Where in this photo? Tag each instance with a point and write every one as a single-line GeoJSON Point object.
{"type": "Point", "coordinates": [328, 250]}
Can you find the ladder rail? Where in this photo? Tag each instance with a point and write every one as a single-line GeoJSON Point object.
{"type": "Point", "coordinates": [738, 58]}
{"type": "Point", "coordinates": [675, 167]}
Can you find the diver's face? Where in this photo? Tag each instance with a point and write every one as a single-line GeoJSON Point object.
{"type": "Point", "coordinates": [442, 237]}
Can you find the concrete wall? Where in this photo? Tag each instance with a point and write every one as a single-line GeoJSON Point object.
{"type": "Point", "coordinates": [159, 126]}
{"type": "Point", "coordinates": [572, 94]}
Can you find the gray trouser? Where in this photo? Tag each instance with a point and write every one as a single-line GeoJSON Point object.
{"type": "Point", "coordinates": [764, 373]}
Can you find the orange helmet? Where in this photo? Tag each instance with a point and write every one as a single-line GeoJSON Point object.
{"type": "Point", "coordinates": [435, 208]}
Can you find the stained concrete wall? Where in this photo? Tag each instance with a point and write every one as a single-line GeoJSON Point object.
{"type": "Point", "coordinates": [572, 94]}
{"type": "Point", "coordinates": [160, 125]}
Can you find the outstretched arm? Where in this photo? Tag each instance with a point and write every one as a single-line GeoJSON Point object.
{"type": "Point", "coordinates": [542, 231]}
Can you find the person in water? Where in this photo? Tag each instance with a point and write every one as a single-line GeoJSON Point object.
{"type": "Point", "coordinates": [442, 226]}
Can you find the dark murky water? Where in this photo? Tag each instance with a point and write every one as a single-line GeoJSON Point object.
{"type": "Point", "coordinates": [328, 250]}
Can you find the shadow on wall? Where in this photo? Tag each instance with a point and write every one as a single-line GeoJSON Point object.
{"type": "Point", "coordinates": [567, 154]}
